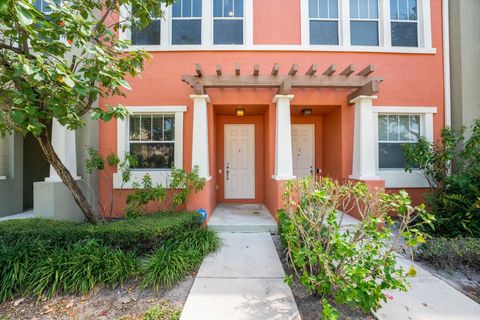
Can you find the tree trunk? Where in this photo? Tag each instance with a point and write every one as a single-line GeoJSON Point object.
{"type": "Point", "coordinates": [66, 176]}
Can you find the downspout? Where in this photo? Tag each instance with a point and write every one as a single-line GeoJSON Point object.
{"type": "Point", "coordinates": [446, 65]}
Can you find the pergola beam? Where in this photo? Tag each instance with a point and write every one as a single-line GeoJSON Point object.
{"type": "Point", "coordinates": [276, 68]}
{"type": "Point", "coordinates": [330, 70]}
{"type": "Point", "coordinates": [366, 71]}
{"type": "Point", "coordinates": [237, 69]}
{"type": "Point", "coordinates": [312, 70]}
{"type": "Point", "coordinates": [256, 70]}
{"type": "Point", "coordinates": [198, 70]}
{"type": "Point", "coordinates": [293, 70]}
{"type": "Point", "coordinates": [368, 89]}
{"type": "Point", "coordinates": [218, 70]}
{"type": "Point", "coordinates": [348, 70]}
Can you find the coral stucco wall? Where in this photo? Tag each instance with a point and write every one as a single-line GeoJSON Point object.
{"type": "Point", "coordinates": [410, 79]}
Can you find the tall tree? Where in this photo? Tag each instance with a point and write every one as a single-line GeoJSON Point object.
{"type": "Point", "coordinates": [54, 67]}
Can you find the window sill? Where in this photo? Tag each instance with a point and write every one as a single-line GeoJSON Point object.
{"type": "Point", "coordinates": [259, 47]}
{"type": "Point", "coordinates": [398, 178]}
{"type": "Point", "coordinates": [159, 176]}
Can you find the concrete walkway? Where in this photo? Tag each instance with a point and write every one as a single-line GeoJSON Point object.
{"type": "Point", "coordinates": [243, 281]}
{"type": "Point", "coordinates": [24, 215]}
{"type": "Point", "coordinates": [242, 218]}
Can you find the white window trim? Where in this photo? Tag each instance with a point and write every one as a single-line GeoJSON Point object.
{"type": "Point", "coordinates": [160, 176]}
{"type": "Point", "coordinates": [384, 26]}
{"type": "Point", "coordinates": [398, 178]}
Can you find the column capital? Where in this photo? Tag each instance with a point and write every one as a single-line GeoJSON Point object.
{"type": "Point", "coordinates": [282, 96]}
{"type": "Point", "coordinates": [200, 96]}
{"type": "Point", "coordinates": [362, 98]}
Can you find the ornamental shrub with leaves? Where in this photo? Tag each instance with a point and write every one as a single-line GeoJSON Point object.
{"type": "Point", "coordinates": [452, 168]}
{"type": "Point", "coordinates": [354, 263]}
{"type": "Point", "coordinates": [54, 67]}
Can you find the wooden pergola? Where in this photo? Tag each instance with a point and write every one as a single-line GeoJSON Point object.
{"type": "Point", "coordinates": [362, 83]}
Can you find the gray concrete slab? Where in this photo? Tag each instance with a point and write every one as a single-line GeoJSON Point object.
{"type": "Point", "coordinates": [242, 218]}
{"type": "Point", "coordinates": [240, 299]}
{"type": "Point", "coordinates": [243, 255]}
{"type": "Point", "coordinates": [24, 215]}
{"type": "Point", "coordinates": [429, 298]}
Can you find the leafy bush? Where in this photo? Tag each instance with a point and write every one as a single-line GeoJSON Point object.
{"type": "Point", "coordinates": [454, 196]}
{"type": "Point", "coordinates": [354, 263]}
{"type": "Point", "coordinates": [451, 253]}
{"type": "Point", "coordinates": [162, 312]}
{"type": "Point", "coordinates": [180, 185]}
{"type": "Point", "coordinates": [172, 261]}
{"type": "Point", "coordinates": [44, 270]}
{"type": "Point", "coordinates": [140, 235]}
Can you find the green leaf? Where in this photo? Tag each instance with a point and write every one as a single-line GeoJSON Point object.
{"type": "Point", "coordinates": [124, 84]}
{"type": "Point", "coordinates": [412, 272]}
{"type": "Point", "coordinates": [25, 18]}
{"type": "Point", "coordinates": [68, 81]}
{"type": "Point", "coordinates": [18, 116]}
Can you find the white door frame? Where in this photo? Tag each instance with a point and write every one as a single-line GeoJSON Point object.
{"type": "Point", "coordinates": [251, 190]}
{"type": "Point", "coordinates": [312, 126]}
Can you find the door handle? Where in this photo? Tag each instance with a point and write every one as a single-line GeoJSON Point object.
{"type": "Point", "coordinates": [311, 170]}
{"type": "Point", "coordinates": [227, 170]}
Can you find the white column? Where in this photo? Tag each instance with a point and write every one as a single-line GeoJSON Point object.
{"type": "Point", "coordinates": [364, 148]}
{"type": "Point", "coordinates": [200, 135]}
{"type": "Point", "coordinates": [283, 142]}
{"type": "Point", "coordinates": [63, 141]}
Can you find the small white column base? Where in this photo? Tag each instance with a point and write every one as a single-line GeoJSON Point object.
{"type": "Point", "coordinates": [200, 156]}
{"type": "Point", "coordinates": [364, 165]}
{"type": "Point", "coordinates": [283, 138]}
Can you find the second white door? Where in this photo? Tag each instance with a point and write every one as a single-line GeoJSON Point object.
{"type": "Point", "coordinates": [303, 149]}
{"type": "Point", "coordinates": [239, 161]}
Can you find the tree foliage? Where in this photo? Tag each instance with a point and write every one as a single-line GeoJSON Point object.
{"type": "Point", "coordinates": [55, 66]}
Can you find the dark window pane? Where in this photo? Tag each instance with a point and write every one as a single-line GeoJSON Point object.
{"type": "Point", "coordinates": [134, 128]}
{"type": "Point", "coordinates": [154, 155]}
{"type": "Point", "coordinates": [238, 8]}
{"type": "Point", "coordinates": [187, 31]}
{"type": "Point", "coordinates": [364, 33]}
{"type": "Point", "coordinates": [146, 127]}
{"type": "Point", "coordinates": [390, 155]}
{"type": "Point", "coordinates": [323, 32]}
{"type": "Point", "coordinates": [403, 14]}
{"type": "Point", "coordinates": [394, 9]}
{"type": "Point", "coordinates": [157, 127]}
{"type": "Point", "coordinates": [197, 8]}
{"type": "Point", "coordinates": [169, 127]}
{"type": "Point", "coordinates": [333, 6]}
{"type": "Point", "coordinates": [228, 32]}
{"type": "Point", "coordinates": [228, 8]}
{"type": "Point", "coordinates": [148, 35]}
{"type": "Point", "coordinates": [412, 10]}
{"type": "Point", "coordinates": [313, 8]}
{"type": "Point", "coordinates": [217, 8]}
{"type": "Point", "coordinates": [382, 128]}
{"type": "Point", "coordinates": [404, 34]}
{"type": "Point", "coordinates": [187, 8]}
{"type": "Point", "coordinates": [353, 9]}
{"type": "Point", "coordinates": [177, 9]}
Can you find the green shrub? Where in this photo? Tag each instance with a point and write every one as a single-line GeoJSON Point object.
{"type": "Point", "coordinates": [451, 253]}
{"type": "Point", "coordinates": [354, 263]}
{"type": "Point", "coordinates": [454, 197]}
{"type": "Point", "coordinates": [162, 312]}
{"type": "Point", "coordinates": [140, 235]}
{"type": "Point", "coordinates": [173, 261]}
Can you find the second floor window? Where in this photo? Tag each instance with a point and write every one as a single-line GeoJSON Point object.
{"type": "Point", "coordinates": [403, 14]}
{"type": "Point", "coordinates": [323, 16]}
{"type": "Point", "coordinates": [364, 22]}
{"type": "Point", "coordinates": [228, 21]}
{"type": "Point", "coordinates": [187, 22]}
{"type": "Point", "coordinates": [42, 6]}
{"type": "Point", "coordinates": [150, 35]}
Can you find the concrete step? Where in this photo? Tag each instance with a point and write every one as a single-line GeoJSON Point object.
{"type": "Point", "coordinates": [242, 218]}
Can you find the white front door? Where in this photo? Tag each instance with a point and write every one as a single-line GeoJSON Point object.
{"type": "Point", "coordinates": [303, 149]}
{"type": "Point", "coordinates": [239, 161]}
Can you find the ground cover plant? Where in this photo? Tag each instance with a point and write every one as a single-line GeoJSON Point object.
{"type": "Point", "coordinates": [32, 263]}
{"type": "Point", "coordinates": [451, 166]}
{"type": "Point", "coordinates": [352, 264]}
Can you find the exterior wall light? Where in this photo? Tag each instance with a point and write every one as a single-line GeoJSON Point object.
{"type": "Point", "coordinates": [240, 112]}
{"type": "Point", "coordinates": [306, 112]}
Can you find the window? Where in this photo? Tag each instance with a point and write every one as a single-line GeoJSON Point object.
{"type": "Point", "coordinates": [393, 132]}
{"type": "Point", "coordinates": [404, 25]}
{"type": "Point", "coordinates": [187, 22]}
{"type": "Point", "coordinates": [364, 22]}
{"type": "Point", "coordinates": [228, 21]}
{"type": "Point", "coordinates": [323, 18]}
{"type": "Point", "coordinates": [43, 6]}
{"type": "Point", "coordinates": [151, 138]}
{"type": "Point", "coordinates": [149, 35]}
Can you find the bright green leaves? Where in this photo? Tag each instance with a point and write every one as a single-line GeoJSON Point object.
{"type": "Point", "coordinates": [24, 12]}
{"type": "Point", "coordinates": [124, 84]}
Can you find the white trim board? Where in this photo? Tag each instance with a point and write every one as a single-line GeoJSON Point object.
{"type": "Point", "coordinates": [398, 109]}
